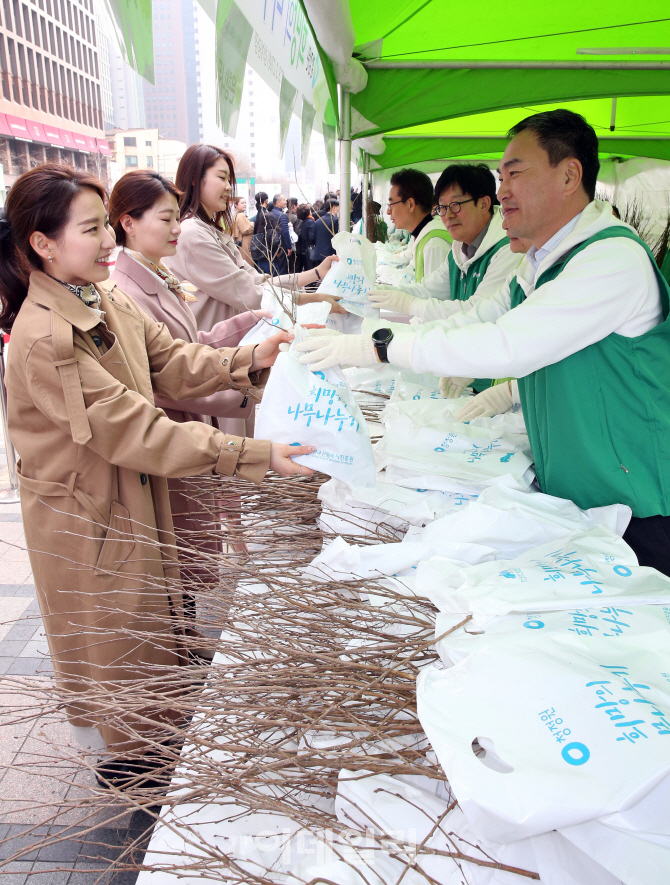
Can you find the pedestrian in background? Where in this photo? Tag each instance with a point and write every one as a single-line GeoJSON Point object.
{"type": "Point", "coordinates": [282, 260]}
{"type": "Point", "coordinates": [243, 229]}
{"type": "Point", "coordinates": [305, 244]}
{"type": "Point", "coordinates": [325, 229]}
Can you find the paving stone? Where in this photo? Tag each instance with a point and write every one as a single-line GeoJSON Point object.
{"type": "Point", "coordinates": [25, 666]}
{"type": "Point", "coordinates": [48, 874]}
{"type": "Point", "coordinates": [10, 589]}
{"type": "Point", "coordinates": [91, 874]}
{"type": "Point", "coordinates": [64, 851]}
{"type": "Point", "coordinates": [11, 648]}
{"type": "Point", "coordinates": [22, 630]}
{"type": "Point", "coordinates": [18, 839]}
{"type": "Point", "coordinates": [15, 873]}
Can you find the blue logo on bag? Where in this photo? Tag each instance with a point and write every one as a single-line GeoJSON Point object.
{"type": "Point", "coordinates": [507, 575]}
{"type": "Point", "coordinates": [507, 457]}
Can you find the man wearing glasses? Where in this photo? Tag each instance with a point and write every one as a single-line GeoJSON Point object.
{"type": "Point", "coordinates": [410, 207]}
{"type": "Point", "coordinates": [479, 260]}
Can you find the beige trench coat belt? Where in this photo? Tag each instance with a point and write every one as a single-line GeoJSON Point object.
{"type": "Point", "coordinates": [119, 541]}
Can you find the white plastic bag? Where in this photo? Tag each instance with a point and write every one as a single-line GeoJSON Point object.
{"type": "Point", "coordinates": [427, 409]}
{"type": "Point", "coordinates": [475, 456]}
{"type": "Point", "coordinates": [381, 380]}
{"type": "Point", "coordinates": [265, 327]}
{"type": "Point", "coordinates": [513, 521]}
{"type": "Point", "coordinates": [300, 407]}
{"type": "Point", "coordinates": [576, 730]}
{"type": "Point", "coordinates": [340, 561]}
{"type": "Point", "coordinates": [406, 390]}
{"type": "Point", "coordinates": [607, 622]}
{"type": "Point", "coordinates": [361, 511]}
{"type": "Point", "coordinates": [353, 275]}
{"type": "Point", "coordinates": [580, 570]}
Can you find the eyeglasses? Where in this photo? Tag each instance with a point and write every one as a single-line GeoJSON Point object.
{"type": "Point", "coordinates": [454, 207]}
{"type": "Point", "coordinates": [395, 203]}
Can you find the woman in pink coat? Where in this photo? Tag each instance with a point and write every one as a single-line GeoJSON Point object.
{"type": "Point", "coordinates": [144, 212]}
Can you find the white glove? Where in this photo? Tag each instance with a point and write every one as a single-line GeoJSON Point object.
{"type": "Point", "coordinates": [453, 387]}
{"type": "Point", "coordinates": [325, 351]}
{"type": "Point", "coordinates": [494, 401]}
{"type": "Point", "coordinates": [391, 299]}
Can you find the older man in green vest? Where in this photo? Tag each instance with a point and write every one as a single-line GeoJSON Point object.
{"type": "Point", "coordinates": [583, 325]}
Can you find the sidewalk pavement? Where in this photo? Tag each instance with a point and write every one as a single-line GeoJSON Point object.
{"type": "Point", "coordinates": [34, 790]}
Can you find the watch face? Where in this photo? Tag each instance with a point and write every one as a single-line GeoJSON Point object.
{"type": "Point", "coordinates": [382, 336]}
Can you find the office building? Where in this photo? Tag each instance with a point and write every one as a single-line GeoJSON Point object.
{"type": "Point", "coordinates": [144, 149]}
{"type": "Point", "coordinates": [171, 105]}
{"type": "Point", "coordinates": [50, 99]}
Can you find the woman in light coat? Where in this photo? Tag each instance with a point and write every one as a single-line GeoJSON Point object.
{"type": "Point", "coordinates": [144, 212]}
{"type": "Point", "coordinates": [95, 451]}
{"type": "Point", "coordinates": [206, 253]}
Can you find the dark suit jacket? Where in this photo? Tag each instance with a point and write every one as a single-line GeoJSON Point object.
{"type": "Point", "coordinates": [282, 221]}
{"type": "Point", "coordinates": [306, 236]}
{"type": "Point", "coordinates": [324, 229]}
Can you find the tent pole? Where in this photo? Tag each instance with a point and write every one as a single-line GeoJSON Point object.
{"type": "Point", "coordinates": [345, 159]}
{"type": "Point", "coordinates": [388, 64]}
{"type": "Point", "coordinates": [365, 195]}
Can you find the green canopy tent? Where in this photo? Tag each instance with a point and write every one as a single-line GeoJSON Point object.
{"type": "Point", "coordinates": [440, 80]}
{"type": "Point", "coordinates": [447, 80]}
{"type": "Point", "coordinates": [630, 126]}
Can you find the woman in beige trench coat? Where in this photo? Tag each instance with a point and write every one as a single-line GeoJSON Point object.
{"type": "Point", "coordinates": [85, 365]}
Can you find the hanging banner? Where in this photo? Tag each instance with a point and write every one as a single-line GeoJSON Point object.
{"type": "Point", "coordinates": [308, 114]}
{"type": "Point", "coordinates": [287, 96]}
{"type": "Point", "coordinates": [280, 49]}
{"type": "Point", "coordinates": [233, 37]}
{"type": "Point", "coordinates": [329, 138]}
{"type": "Point", "coordinates": [131, 26]}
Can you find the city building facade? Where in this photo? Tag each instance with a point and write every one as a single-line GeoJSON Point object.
{"type": "Point", "coordinates": [171, 104]}
{"type": "Point", "coordinates": [51, 106]}
{"type": "Point", "coordinates": [143, 149]}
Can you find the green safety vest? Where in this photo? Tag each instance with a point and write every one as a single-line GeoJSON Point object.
{"type": "Point", "coordinates": [421, 245]}
{"type": "Point", "coordinates": [464, 283]}
{"type": "Point", "coordinates": [599, 420]}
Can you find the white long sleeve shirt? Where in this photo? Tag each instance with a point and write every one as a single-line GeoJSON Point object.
{"type": "Point", "coordinates": [608, 287]}
{"type": "Point", "coordinates": [433, 294]}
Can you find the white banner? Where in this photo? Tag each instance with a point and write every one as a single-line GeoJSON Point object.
{"type": "Point", "coordinates": [281, 48]}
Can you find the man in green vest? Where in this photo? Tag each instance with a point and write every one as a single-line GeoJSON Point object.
{"type": "Point", "coordinates": [479, 260]}
{"type": "Point", "coordinates": [583, 325]}
{"type": "Point", "coordinates": [410, 206]}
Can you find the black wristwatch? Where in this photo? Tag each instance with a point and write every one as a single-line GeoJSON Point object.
{"type": "Point", "coordinates": [381, 338]}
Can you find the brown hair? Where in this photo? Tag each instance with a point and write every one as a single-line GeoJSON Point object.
{"type": "Point", "coordinates": [133, 194]}
{"type": "Point", "coordinates": [303, 211]}
{"type": "Point", "coordinates": [197, 159]}
{"type": "Point", "coordinates": [39, 200]}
